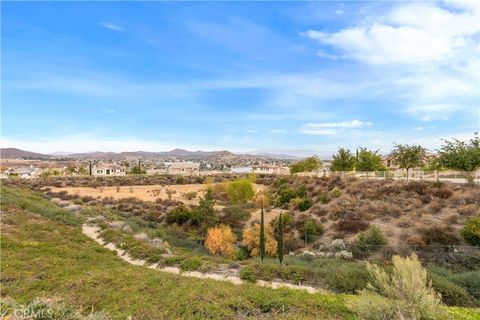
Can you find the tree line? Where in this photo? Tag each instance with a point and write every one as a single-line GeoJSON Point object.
{"type": "Point", "coordinates": [453, 154]}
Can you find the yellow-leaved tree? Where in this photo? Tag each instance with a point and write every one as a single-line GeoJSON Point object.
{"type": "Point", "coordinates": [251, 239]}
{"type": "Point", "coordinates": [221, 241]}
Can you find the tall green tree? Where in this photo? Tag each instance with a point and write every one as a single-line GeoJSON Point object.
{"type": "Point", "coordinates": [343, 160]}
{"type": "Point", "coordinates": [137, 170]}
{"type": "Point", "coordinates": [204, 214]}
{"type": "Point", "coordinates": [460, 155]}
{"type": "Point", "coordinates": [369, 161]}
{"type": "Point", "coordinates": [408, 156]}
{"type": "Point", "coordinates": [306, 165]}
{"type": "Point", "coordinates": [262, 234]}
{"type": "Point", "coordinates": [280, 238]}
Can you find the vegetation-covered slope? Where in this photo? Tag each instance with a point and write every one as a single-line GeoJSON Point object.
{"type": "Point", "coordinates": [46, 258]}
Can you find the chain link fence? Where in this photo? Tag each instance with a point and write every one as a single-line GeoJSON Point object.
{"type": "Point", "coordinates": [418, 175]}
{"type": "Point", "coordinates": [444, 254]}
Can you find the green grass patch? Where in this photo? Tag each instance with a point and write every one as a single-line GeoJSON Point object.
{"type": "Point", "coordinates": [44, 258]}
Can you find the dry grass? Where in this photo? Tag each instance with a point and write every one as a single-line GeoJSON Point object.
{"type": "Point", "coordinates": [144, 193]}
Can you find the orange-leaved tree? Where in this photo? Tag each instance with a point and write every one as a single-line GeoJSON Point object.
{"type": "Point", "coordinates": [221, 241]}
{"type": "Point", "coordinates": [251, 239]}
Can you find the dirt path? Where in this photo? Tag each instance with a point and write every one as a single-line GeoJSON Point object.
{"type": "Point", "coordinates": [93, 233]}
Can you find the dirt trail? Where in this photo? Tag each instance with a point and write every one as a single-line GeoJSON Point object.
{"type": "Point", "coordinates": [93, 233]}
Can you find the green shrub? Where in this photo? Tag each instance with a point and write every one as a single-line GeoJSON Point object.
{"type": "Point", "coordinates": [242, 253]}
{"type": "Point", "coordinates": [471, 231]}
{"type": "Point", "coordinates": [240, 191]}
{"type": "Point", "coordinates": [304, 204]}
{"type": "Point", "coordinates": [470, 281]}
{"type": "Point", "coordinates": [285, 195]}
{"type": "Point", "coordinates": [452, 294]}
{"type": "Point", "coordinates": [154, 258]}
{"type": "Point", "coordinates": [311, 229]}
{"type": "Point", "coordinates": [190, 195]}
{"type": "Point", "coordinates": [324, 198]}
{"type": "Point", "coordinates": [192, 264]}
{"type": "Point", "coordinates": [345, 277]}
{"type": "Point", "coordinates": [180, 180]}
{"type": "Point", "coordinates": [235, 216]}
{"type": "Point", "coordinates": [402, 294]}
{"type": "Point", "coordinates": [336, 192]}
{"type": "Point", "coordinates": [179, 215]}
{"type": "Point", "coordinates": [248, 274]}
{"type": "Point", "coordinates": [171, 261]}
{"type": "Point", "coordinates": [371, 240]}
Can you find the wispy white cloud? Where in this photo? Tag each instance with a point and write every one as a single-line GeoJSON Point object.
{"type": "Point", "coordinates": [402, 34]}
{"type": "Point", "coordinates": [425, 56]}
{"type": "Point", "coordinates": [107, 110]}
{"type": "Point", "coordinates": [433, 111]}
{"type": "Point", "coordinates": [332, 128]}
{"type": "Point", "coordinates": [111, 26]}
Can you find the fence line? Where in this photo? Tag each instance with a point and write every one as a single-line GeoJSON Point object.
{"type": "Point", "coordinates": [449, 176]}
{"type": "Point", "coordinates": [426, 253]}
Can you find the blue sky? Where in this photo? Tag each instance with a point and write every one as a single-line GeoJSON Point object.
{"type": "Point", "coordinates": [295, 77]}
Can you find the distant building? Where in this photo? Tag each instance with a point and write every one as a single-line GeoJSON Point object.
{"type": "Point", "coordinates": [270, 169]}
{"type": "Point", "coordinates": [241, 170]}
{"type": "Point", "coordinates": [183, 168]}
{"type": "Point", "coordinates": [23, 172]}
{"type": "Point", "coordinates": [108, 170]}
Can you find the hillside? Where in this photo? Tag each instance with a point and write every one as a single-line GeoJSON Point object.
{"type": "Point", "coordinates": [47, 258]}
{"type": "Point", "coordinates": [13, 153]}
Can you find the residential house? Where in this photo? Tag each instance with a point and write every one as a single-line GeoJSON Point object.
{"type": "Point", "coordinates": [270, 169]}
{"type": "Point", "coordinates": [23, 172]}
{"type": "Point", "coordinates": [108, 170]}
{"type": "Point", "coordinates": [241, 170]}
{"type": "Point", "coordinates": [183, 168]}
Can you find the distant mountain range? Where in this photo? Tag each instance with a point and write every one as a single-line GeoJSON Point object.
{"type": "Point", "coordinates": [131, 155]}
{"type": "Point", "coordinates": [12, 153]}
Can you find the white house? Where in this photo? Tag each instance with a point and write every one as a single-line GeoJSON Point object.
{"type": "Point", "coordinates": [270, 169]}
{"type": "Point", "coordinates": [183, 168]}
{"type": "Point", "coordinates": [241, 170]}
{"type": "Point", "coordinates": [108, 170]}
{"type": "Point", "coordinates": [23, 172]}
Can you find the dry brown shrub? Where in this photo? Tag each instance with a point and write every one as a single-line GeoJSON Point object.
{"type": "Point", "coordinates": [418, 213]}
{"type": "Point", "coordinates": [469, 210]}
{"type": "Point", "coordinates": [426, 198]}
{"type": "Point", "coordinates": [404, 236]}
{"type": "Point", "coordinates": [434, 207]}
{"type": "Point", "coordinates": [415, 241]}
{"type": "Point", "coordinates": [442, 193]}
{"type": "Point", "coordinates": [342, 206]}
{"type": "Point", "coordinates": [351, 224]}
{"type": "Point", "coordinates": [465, 197]}
{"type": "Point", "coordinates": [319, 210]}
{"type": "Point", "coordinates": [419, 187]}
{"type": "Point", "coordinates": [452, 219]}
{"type": "Point", "coordinates": [405, 222]}
{"type": "Point", "coordinates": [439, 235]}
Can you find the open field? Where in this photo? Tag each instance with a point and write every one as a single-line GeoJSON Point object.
{"type": "Point", "coordinates": [145, 193]}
